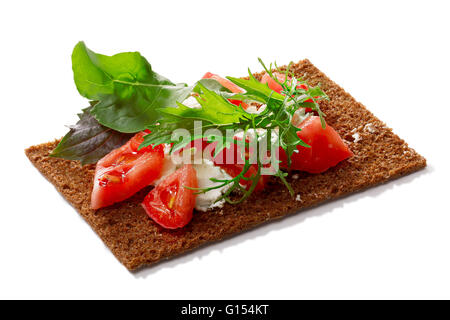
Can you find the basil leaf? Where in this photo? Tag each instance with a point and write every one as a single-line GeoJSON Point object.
{"type": "Point", "coordinates": [139, 111]}
{"type": "Point", "coordinates": [128, 91]}
{"type": "Point", "coordinates": [88, 141]}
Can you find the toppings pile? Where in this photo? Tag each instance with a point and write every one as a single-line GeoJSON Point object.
{"type": "Point", "coordinates": [231, 134]}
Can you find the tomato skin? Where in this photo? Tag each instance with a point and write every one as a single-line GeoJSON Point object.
{"type": "Point", "coordinates": [229, 85]}
{"type": "Point", "coordinates": [125, 171]}
{"type": "Point", "coordinates": [171, 205]}
{"type": "Point", "coordinates": [327, 148]}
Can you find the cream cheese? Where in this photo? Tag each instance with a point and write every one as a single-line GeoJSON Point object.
{"type": "Point", "coordinates": [205, 172]}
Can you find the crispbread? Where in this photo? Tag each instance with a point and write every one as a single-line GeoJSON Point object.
{"type": "Point", "coordinates": [379, 156]}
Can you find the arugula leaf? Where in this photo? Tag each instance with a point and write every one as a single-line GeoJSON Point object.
{"type": "Point", "coordinates": [128, 90]}
{"type": "Point", "coordinates": [89, 141]}
{"type": "Point", "coordinates": [215, 109]}
{"type": "Point", "coordinates": [255, 90]}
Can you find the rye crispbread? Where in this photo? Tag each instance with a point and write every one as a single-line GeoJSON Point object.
{"type": "Point", "coordinates": [136, 240]}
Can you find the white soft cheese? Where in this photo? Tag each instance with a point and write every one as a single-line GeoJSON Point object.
{"type": "Point", "coordinates": [205, 172]}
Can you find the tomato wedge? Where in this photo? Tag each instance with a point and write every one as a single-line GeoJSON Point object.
{"type": "Point", "coordinates": [124, 171]}
{"type": "Point", "coordinates": [229, 85]}
{"type": "Point", "coordinates": [327, 148]}
{"type": "Point", "coordinates": [170, 204]}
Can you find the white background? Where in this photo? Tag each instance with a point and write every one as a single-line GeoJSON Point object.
{"type": "Point", "coordinates": [388, 242]}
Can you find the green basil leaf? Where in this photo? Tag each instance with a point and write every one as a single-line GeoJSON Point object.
{"type": "Point", "coordinates": [139, 111]}
{"type": "Point", "coordinates": [88, 141]}
{"type": "Point", "coordinates": [128, 91]}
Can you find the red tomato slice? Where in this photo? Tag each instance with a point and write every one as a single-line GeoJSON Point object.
{"type": "Point", "coordinates": [327, 148]}
{"type": "Point", "coordinates": [124, 171]}
{"type": "Point", "coordinates": [229, 85]}
{"type": "Point", "coordinates": [170, 204]}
